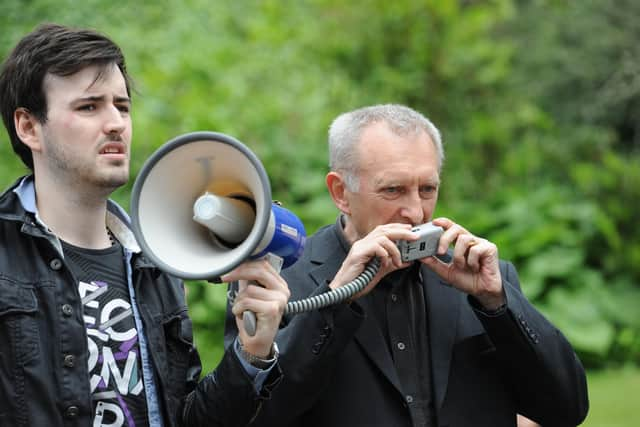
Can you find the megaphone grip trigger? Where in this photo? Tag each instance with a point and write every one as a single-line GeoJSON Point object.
{"type": "Point", "coordinates": [249, 319]}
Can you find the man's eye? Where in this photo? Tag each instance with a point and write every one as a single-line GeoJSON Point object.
{"type": "Point", "coordinates": [123, 108]}
{"type": "Point", "coordinates": [427, 190]}
{"type": "Point", "coordinates": [87, 107]}
{"type": "Point", "coordinates": [392, 192]}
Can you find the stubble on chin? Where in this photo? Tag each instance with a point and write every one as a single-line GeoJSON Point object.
{"type": "Point", "coordinates": [115, 179]}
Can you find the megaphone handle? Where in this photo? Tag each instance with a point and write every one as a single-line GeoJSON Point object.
{"type": "Point", "coordinates": [249, 317]}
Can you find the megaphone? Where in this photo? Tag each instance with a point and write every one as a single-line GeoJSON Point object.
{"type": "Point", "coordinates": [201, 205]}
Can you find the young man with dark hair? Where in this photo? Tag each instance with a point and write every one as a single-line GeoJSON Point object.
{"type": "Point", "coordinates": [93, 333]}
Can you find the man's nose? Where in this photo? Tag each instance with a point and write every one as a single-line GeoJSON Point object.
{"type": "Point", "coordinates": [412, 208]}
{"type": "Point", "coordinates": [115, 122]}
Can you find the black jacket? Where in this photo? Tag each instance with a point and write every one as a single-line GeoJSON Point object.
{"type": "Point", "coordinates": [484, 369]}
{"type": "Point", "coordinates": [44, 379]}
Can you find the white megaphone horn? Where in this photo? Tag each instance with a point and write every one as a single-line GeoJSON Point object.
{"type": "Point", "coordinates": [201, 205]}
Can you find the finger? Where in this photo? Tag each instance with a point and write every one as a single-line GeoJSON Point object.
{"type": "Point", "coordinates": [393, 232]}
{"type": "Point", "coordinates": [475, 248]}
{"type": "Point", "coordinates": [259, 271]}
{"type": "Point", "coordinates": [270, 305]}
{"type": "Point", "coordinates": [395, 260]}
{"type": "Point", "coordinates": [389, 235]}
{"type": "Point", "coordinates": [484, 254]}
{"type": "Point", "coordinates": [461, 249]}
{"type": "Point", "coordinates": [262, 308]}
{"type": "Point", "coordinates": [266, 294]}
{"type": "Point", "coordinates": [249, 270]}
{"type": "Point", "coordinates": [393, 227]}
{"type": "Point", "coordinates": [389, 251]}
{"type": "Point", "coordinates": [437, 266]}
{"type": "Point", "coordinates": [370, 247]}
{"type": "Point", "coordinates": [443, 222]}
{"type": "Point", "coordinates": [450, 236]}
{"type": "Point", "coordinates": [387, 246]}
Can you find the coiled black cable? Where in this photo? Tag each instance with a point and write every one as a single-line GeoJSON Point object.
{"type": "Point", "coordinates": [335, 296]}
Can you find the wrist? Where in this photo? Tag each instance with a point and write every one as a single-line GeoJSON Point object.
{"type": "Point", "coordinates": [260, 360]}
{"type": "Point", "coordinates": [492, 302]}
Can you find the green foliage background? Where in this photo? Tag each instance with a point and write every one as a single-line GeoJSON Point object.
{"type": "Point", "coordinates": [538, 102]}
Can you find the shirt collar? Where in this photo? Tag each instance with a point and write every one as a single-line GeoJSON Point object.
{"type": "Point", "coordinates": [26, 192]}
{"type": "Point", "coordinates": [342, 238]}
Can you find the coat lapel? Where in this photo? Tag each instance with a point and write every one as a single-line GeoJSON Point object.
{"type": "Point", "coordinates": [443, 305]}
{"type": "Point", "coordinates": [369, 337]}
{"type": "Point", "coordinates": [326, 255]}
{"type": "Point", "coordinates": [372, 342]}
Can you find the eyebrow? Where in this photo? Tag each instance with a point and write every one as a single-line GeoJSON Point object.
{"type": "Point", "coordinates": [118, 99]}
{"type": "Point", "coordinates": [396, 180]}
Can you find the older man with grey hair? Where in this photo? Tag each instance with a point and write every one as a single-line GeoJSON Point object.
{"type": "Point", "coordinates": [447, 340]}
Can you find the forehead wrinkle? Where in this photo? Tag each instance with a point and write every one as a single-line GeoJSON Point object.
{"type": "Point", "coordinates": [401, 177]}
{"type": "Point", "coordinates": [393, 177]}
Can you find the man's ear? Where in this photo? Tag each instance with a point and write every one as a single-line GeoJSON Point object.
{"type": "Point", "coordinates": [337, 190]}
{"type": "Point", "coordinates": [28, 129]}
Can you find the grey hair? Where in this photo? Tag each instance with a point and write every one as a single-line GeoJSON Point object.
{"type": "Point", "coordinates": [345, 132]}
